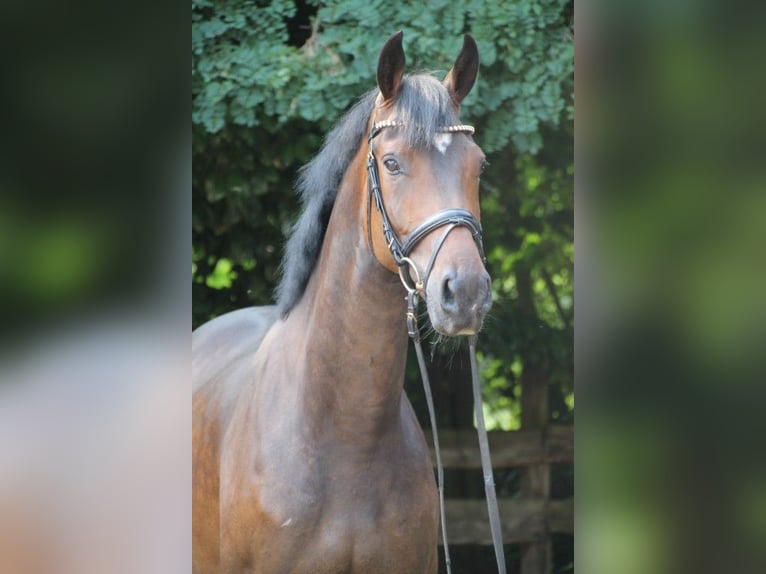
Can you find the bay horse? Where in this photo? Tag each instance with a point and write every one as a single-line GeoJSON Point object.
{"type": "Point", "coordinates": [307, 455]}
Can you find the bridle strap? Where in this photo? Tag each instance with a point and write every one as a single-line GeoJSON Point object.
{"type": "Point", "coordinates": [373, 183]}
{"type": "Point", "coordinates": [453, 217]}
{"type": "Point", "coordinates": [486, 461]}
{"type": "Point", "coordinates": [435, 433]}
{"type": "Point", "coordinates": [435, 252]}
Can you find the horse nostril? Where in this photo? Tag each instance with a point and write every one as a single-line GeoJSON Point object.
{"type": "Point", "coordinates": [448, 296]}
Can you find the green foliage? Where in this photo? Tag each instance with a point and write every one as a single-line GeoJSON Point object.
{"type": "Point", "coordinates": [528, 215]}
{"type": "Point", "coordinates": [246, 71]}
{"type": "Point", "coordinates": [269, 79]}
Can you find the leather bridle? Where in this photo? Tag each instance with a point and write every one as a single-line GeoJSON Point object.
{"type": "Point", "coordinates": [400, 251]}
{"type": "Point", "coordinates": [402, 248]}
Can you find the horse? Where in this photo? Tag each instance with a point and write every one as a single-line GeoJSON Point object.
{"type": "Point", "coordinates": [307, 455]}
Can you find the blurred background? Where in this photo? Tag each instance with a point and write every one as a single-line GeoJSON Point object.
{"type": "Point", "coordinates": [95, 171]}
{"type": "Point", "coordinates": [671, 276]}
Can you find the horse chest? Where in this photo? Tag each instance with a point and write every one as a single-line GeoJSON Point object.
{"type": "Point", "coordinates": [317, 515]}
{"type": "Point", "coordinates": [370, 524]}
{"type": "Point", "coordinates": [337, 488]}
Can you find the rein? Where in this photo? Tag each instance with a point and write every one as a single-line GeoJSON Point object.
{"type": "Point", "coordinates": [400, 251]}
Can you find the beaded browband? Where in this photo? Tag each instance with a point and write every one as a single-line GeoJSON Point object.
{"type": "Point", "coordinates": [459, 128]}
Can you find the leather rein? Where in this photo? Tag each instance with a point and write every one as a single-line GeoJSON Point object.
{"type": "Point", "coordinates": [400, 250]}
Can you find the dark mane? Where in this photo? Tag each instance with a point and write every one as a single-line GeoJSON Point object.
{"type": "Point", "coordinates": [423, 104]}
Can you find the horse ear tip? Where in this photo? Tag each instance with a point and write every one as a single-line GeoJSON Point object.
{"type": "Point", "coordinates": [396, 37]}
{"type": "Point", "coordinates": [394, 42]}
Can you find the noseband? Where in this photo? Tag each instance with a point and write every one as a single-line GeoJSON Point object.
{"type": "Point", "coordinates": [402, 248]}
{"type": "Point", "coordinates": [400, 251]}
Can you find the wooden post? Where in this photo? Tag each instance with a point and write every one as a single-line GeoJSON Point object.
{"type": "Point", "coordinates": [536, 558]}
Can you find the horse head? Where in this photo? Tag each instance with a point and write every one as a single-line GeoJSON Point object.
{"type": "Point", "coordinates": [423, 171]}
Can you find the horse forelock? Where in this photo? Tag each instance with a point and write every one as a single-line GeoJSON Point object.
{"type": "Point", "coordinates": [422, 104]}
{"type": "Point", "coordinates": [424, 107]}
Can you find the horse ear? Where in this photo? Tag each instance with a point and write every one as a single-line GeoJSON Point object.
{"type": "Point", "coordinates": [462, 76]}
{"type": "Point", "coordinates": [391, 66]}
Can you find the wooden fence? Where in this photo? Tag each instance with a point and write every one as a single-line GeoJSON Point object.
{"type": "Point", "coordinates": [526, 520]}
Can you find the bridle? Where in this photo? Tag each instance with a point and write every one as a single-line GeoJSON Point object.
{"type": "Point", "coordinates": [400, 251]}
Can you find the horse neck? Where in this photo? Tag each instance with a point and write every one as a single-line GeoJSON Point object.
{"type": "Point", "coordinates": [353, 316]}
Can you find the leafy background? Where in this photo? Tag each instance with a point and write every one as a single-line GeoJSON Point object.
{"type": "Point", "coordinates": [269, 79]}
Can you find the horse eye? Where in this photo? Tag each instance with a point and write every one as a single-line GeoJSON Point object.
{"type": "Point", "coordinates": [391, 165]}
{"type": "Point", "coordinates": [484, 165]}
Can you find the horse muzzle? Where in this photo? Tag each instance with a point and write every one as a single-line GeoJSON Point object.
{"type": "Point", "coordinates": [458, 300]}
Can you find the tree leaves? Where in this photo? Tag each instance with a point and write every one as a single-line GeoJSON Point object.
{"type": "Point", "coordinates": [241, 48]}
